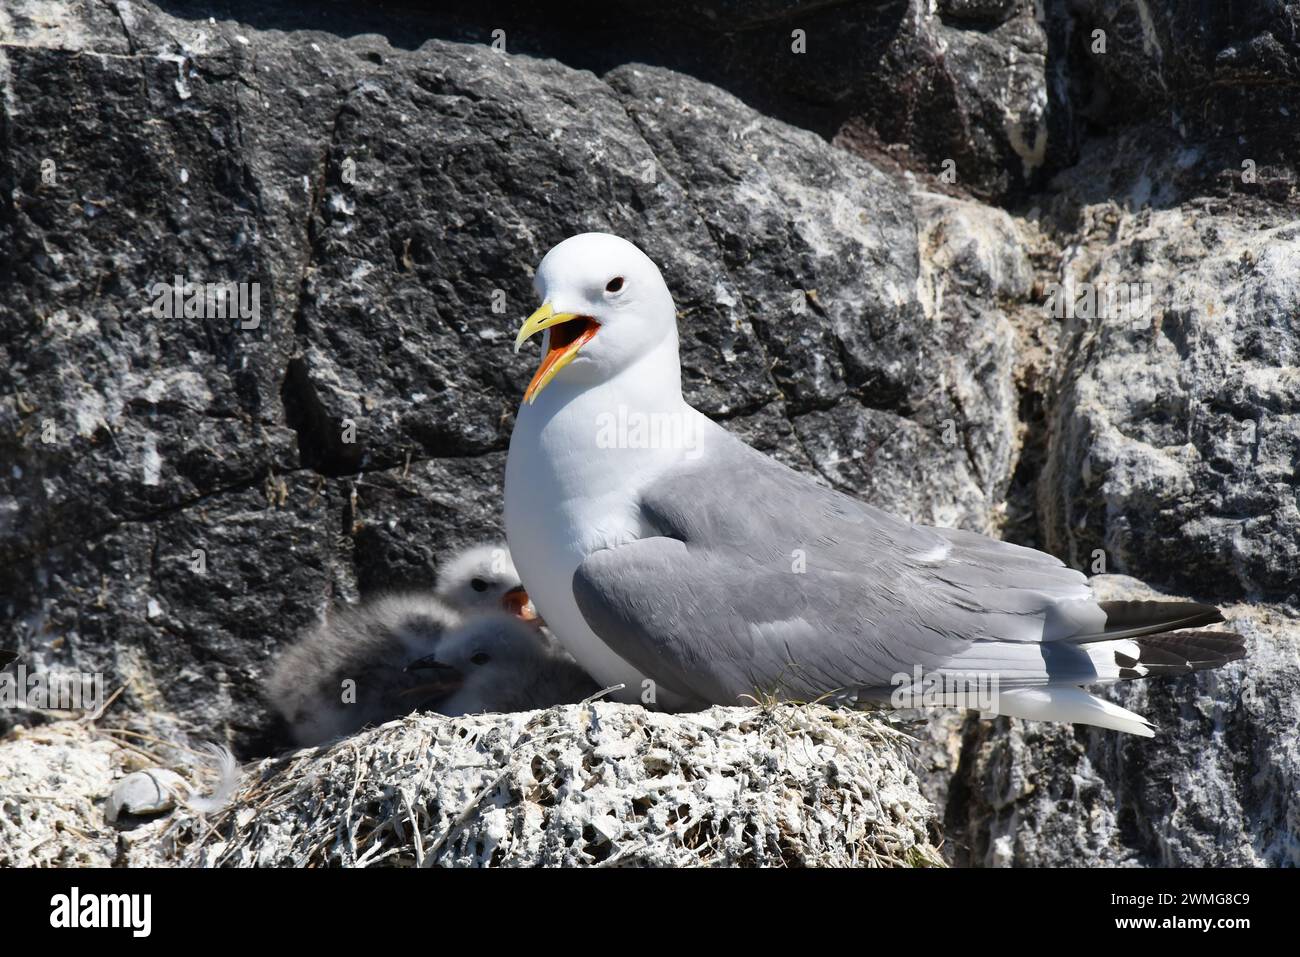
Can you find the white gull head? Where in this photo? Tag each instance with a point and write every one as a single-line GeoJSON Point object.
{"type": "Point", "coordinates": [605, 307]}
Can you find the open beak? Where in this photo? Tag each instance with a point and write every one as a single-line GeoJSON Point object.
{"type": "Point", "coordinates": [517, 602]}
{"type": "Point", "coordinates": [569, 333]}
{"type": "Point", "coordinates": [443, 678]}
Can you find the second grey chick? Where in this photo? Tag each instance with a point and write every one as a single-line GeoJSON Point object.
{"type": "Point", "coordinates": [497, 663]}
{"type": "Point", "coordinates": [349, 671]}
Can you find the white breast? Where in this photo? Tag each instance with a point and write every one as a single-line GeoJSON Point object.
{"type": "Point", "coordinates": [564, 499]}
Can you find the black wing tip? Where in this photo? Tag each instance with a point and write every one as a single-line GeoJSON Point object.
{"type": "Point", "coordinates": [1176, 614]}
{"type": "Point", "coordinates": [1212, 615]}
{"type": "Point", "coordinates": [1180, 652]}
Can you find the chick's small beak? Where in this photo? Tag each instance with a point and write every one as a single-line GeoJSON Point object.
{"type": "Point", "coordinates": [444, 679]}
{"type": "Point", "coordinates": [563, 346]}
{"type": "Point", "coordinates": [432, 664]}
{"type": "Point", "coordinates": [517, 602]}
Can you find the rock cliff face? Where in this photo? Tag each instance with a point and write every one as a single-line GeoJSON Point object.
{"type": "Point", "coordinates": [867, 242]}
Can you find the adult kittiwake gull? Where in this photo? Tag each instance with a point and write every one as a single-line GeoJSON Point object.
{"type": "Point", "coordinates": [672, 558]}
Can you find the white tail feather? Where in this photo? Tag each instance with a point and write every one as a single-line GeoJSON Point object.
{"type": "Point", "coordinates": [1071, 704]}
{"type": "Point", "coordinates": [1102, 654]}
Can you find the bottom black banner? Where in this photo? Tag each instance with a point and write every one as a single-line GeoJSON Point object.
{"type": "Point", "coordinates": [337, 907]}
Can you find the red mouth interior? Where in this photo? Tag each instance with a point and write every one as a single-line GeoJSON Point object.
{"type": "Point", "coordinates": [567, 333]}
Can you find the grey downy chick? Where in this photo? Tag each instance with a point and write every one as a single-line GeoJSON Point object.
{"type": "Point", "coordinates": [348, 672]}
{"type": "Point", "coordinates": [481, 579]}
{"type": "Point", "coordinates": [497, 663]}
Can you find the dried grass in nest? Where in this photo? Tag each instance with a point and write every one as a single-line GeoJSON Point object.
{"type": "Point", "coordinates": [583, 785]}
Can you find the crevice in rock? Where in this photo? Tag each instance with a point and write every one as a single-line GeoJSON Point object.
{"type": "Point", "coordinates": [1023, 520]}
{"type": "Point", "coordinates": [320, 441]}
{"type": "Point", "coordinates": [320, 436]}
{"type": "Point", "coordinates": [264, 476]}
{"type": "Point", "coordinates": [143, 516]}
{"type": "Point", "coordinates": [961, 796]}
{"type": "Point", "coordinates": [966, 427]}
{"type": "Point", "coordinates": [126, 31]}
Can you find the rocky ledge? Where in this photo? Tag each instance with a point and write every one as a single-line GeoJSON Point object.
{"type": "Point", "coordinates": [597, 784]}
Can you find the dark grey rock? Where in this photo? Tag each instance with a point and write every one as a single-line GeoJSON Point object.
{"type": "Point", "coordinates": [1175, 435]}
{"type": "Point", "coordinates": [982, 83]}
{"type": "Point", "coordinates": [980, 11]}
{"type": "Point", "coordinates": [1181, 54]}
{"type": "Point", "coordinates": [207, 487]}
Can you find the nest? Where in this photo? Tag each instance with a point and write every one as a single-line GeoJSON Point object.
{"type": "Point", "coordinates": [583, 785]}
{"type": "Point", "coordinates": [580, 785]}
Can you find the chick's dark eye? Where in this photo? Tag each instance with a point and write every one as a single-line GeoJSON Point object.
{"type": "Point", "coordinates": [614, 285]}
{"type": "Point", "coordinates": [478, 584]}
{"type": "Point", "coordinates": [481, 658]}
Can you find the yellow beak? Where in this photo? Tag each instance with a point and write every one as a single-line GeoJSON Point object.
{"type": "Point", "coordinates": [564, 344]}
{"type": "Point", "coordinates": [543, 318]}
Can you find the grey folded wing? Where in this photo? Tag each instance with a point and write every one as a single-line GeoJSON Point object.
{"type": "Point", "coordinates": [762, 581]}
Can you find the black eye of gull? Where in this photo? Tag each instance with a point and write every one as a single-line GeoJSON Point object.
{"type": "Point", "coordinates": [478, 584]}
{"type": "Point", "coordinates": [481, 658]}
{"type": "Point", "coordinates": [614, 285]}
